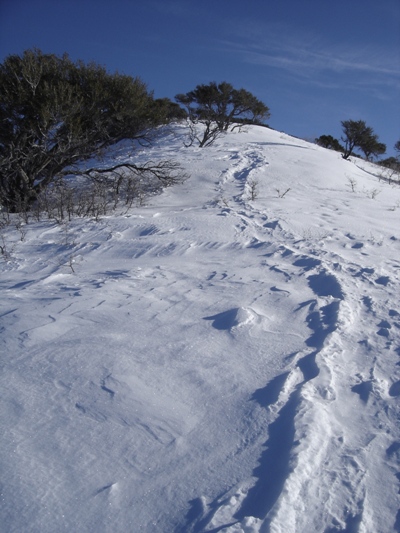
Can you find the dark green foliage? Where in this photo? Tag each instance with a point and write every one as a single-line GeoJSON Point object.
{"type": "Point", "coordinates": [372, 147]}
{"type": "Point", "coordinates": [354, 133]}
{"type": "Point", "coordinates": [54, 114]}
{"type": "Point", "coordinates": [392, 163]}
{"type": "Point", "coordinates": [358, 135]}
{"type": "Point", "coordinates": [217, 107]}
{"type": "Point", "coordinates": [169, 110]}
{"type": "Point", "coordinates": [327, 141]}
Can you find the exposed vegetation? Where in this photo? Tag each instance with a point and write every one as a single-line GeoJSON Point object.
{"type": "Point", "coordinates": [56, 114]}
{"type": "Point", "coordinates": [327, 141]}
{"type": "Point", "coordinates": [217, 107]}
{"type": "Point", "coordinates": [60, 118]}
{"type": "Point", "coordinates": [358, 135]}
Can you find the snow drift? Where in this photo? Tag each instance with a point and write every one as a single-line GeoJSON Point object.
{"type": "Point", "coordinates": [208, 362]}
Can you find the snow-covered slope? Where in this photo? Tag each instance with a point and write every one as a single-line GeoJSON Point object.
{"type": "Point", "coordinates": [208, 362]}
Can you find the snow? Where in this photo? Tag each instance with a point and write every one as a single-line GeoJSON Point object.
{"type": "Point", "coordinates": [207, 362]}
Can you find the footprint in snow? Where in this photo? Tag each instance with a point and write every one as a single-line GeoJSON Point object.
{"type": "Point", "coordinates": [384, 326]}
{"type": "Point", "coordinates": [383, 280]}
{"type": "Point", "coordinates": [363, 389]}
{"type": "Point", "coordinates": [368, 302]}
{"type": "Point", "coordinates": [307, 263]}
{"type": "Point", "coordinates": [393, 452]}
{"type": "Point", "coordinates": [325, 284]}
{"type": "Point", "coordinates": [395, 389]}
{"type": "Point", "coordinates": [271, 225]}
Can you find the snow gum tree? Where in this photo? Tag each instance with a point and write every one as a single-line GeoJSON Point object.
{"type": "Point", "coordinates": [56, 114]}
{"type": "Point", "coordinates": [327, 141]}
{"type": "Point", "coordinates": [372, 147]}
{"type": "Point", "coordinates": [218, 106]}
{"type": "Point", "coordinates": [358, 135]}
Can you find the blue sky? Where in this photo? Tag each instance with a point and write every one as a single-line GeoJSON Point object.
{"type": "Point", "coordinates": [313, 62]}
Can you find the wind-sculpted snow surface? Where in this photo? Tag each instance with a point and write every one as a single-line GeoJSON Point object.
{"type": "Point", "coordinates": [208, 362]}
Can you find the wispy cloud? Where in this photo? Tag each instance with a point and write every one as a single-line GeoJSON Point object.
{"type": "Point", "coordinates": [309, 57]}
{"type": "Point", "coordinates": [300, 58]}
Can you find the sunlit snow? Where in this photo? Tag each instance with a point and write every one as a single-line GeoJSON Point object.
{"type": "Point", "coordinates": [207, 362]}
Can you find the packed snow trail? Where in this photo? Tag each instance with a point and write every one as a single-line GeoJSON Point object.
{"type": "Point", "coordinates": [210, 362]}
{"type": "Point", "coordinates": [287, 465]}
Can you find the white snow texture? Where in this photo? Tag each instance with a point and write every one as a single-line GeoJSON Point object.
{"type": "Point", "coordinates": [211, 363]}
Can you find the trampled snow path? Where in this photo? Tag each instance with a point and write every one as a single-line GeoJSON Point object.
{"type": "Point", "coordinates": [214, 363]}
{"type": "Point", "coordinates": [307, 442]}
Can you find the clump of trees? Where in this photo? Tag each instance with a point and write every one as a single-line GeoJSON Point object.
{"type": "Point", "coordinates": [56, 115]}
{"type": "Point", "coordinates": [327, 141]}
{"type": "Point", "coordinates": [392, 163]}
{"type": "Point", "coordinates": [356, 134]}
{"type": "Point", "coordinates": [59, 118]}
{"type": "Point", "coordinates": [218, 107]}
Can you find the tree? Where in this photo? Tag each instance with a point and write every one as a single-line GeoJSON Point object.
{"type": "Point", "coordinates": [358, 135]}
{"type": "Point", "coordinates": [371, 147]}
{"type": "Point", "coordinates": [397, 147]}
{"type": "Point", "coordinates": [56, 114]}
{"type": "Point", "coordinates": [327, 141]}
{"type": "Point", "coordinates": [217, 107]}
{"type": "Point", "coordinates": [169, 110]}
